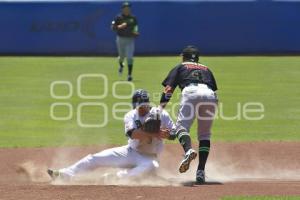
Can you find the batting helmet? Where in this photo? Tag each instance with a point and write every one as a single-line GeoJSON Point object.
{"type": "Point", "coordinates": [140, 97]}
{"type": "Point", "coordinates": [190, 53]}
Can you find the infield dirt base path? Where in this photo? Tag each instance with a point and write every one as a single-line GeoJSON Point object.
{"type": "Point", "coordinates": [234, 169]}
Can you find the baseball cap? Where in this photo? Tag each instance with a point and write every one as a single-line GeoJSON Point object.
{"type": "Point", "coordinates": [126, 4]}
{"type": "Point", "coordinates": [191, 52]}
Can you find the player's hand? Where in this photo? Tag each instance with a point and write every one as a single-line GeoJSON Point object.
{"type": "Point", "coordinates": [164, 133]}
{"type": "Point", "coordinates": [122, 26]}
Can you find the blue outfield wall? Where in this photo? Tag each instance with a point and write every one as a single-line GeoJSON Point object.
{"type": "Point", "coordinates": [244, 27]}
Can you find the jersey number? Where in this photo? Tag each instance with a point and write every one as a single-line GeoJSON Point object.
{"type": "Point", "coordinates": [195, 76]}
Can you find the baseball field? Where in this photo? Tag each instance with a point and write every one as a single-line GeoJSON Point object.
{"type": "Point", "coordinates": [55, 110]}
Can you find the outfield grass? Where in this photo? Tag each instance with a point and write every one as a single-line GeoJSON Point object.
{"type": "Point", "coordinates": [25, 97]}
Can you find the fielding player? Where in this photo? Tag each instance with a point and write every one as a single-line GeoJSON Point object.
{"type": "Point", "coordinates": [145, 128]}
{"type": "Point", "coordinates": [126, 27]}
{"type": "Point", "coordinates": [198, 100]}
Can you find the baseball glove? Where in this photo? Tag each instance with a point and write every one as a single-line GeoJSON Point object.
{"type": "Point", "coordinates": [152, 122]}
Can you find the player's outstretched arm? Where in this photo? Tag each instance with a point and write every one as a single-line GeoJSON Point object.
{"type": "Point", "coordinates": [166, 134]}
{"type": "Point", "coordinates": [166, 96]}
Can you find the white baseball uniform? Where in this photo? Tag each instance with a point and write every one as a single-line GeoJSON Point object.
{"type": "Point", "coordinates": [136, 157]}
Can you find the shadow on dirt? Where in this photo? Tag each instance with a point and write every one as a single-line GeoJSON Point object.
{"type": "Point", "coordinates": [193, 183]}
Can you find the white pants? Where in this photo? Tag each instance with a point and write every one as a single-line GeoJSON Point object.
{"type": "Point", "coordinates": [119, 157]}
{"type": "Point", "coordinates": [200, 102]}
{"type": "Point", "coordinates": [125, 47]}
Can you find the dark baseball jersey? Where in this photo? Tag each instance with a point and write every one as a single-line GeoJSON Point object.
{"type": "Point", "coordinates": [190, 72]}
{"type": "Point", "coordinates": [132, 25]}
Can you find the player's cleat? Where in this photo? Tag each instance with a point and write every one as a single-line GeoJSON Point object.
{"type": "Point", "coordinates": [200, 177]}
{"type": "Point", "coordinates": [185, 163]}
{"type": "Point", "coordinates": [54, 174]}
{"type": "Point", "coordinates": [129, 78]}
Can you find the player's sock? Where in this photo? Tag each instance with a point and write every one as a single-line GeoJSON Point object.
{"type": "Point", "coordinates": [121, 66]}
{"type": "Point", "coordinates": [185, 141]}
{"type": "Point", "coordinates": [130, 66]}
{"type": "Point", "coordinates": [204, 147]}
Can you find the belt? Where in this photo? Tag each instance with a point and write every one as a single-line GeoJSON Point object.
{"type": "Point", "coordinates": [196, 84]}
{"type": "Point", "coordinates": [193, 84]}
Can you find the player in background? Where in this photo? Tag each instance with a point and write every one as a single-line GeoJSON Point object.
{"type": "Point", "coordinates": [139, 156]}
{"type": "Point", "coordinates": [126, 27]}
{"type": "Point", "coordinates": [198, 100]}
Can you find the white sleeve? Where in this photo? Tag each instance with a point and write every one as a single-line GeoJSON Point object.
{"type": "Point", "coordinates": [129, 122]}
{"type": "Point", "coordinates": [166, 121]}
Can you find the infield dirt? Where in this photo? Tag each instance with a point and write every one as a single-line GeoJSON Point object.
{"type": "Point", "coordinates": [233, 169]}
